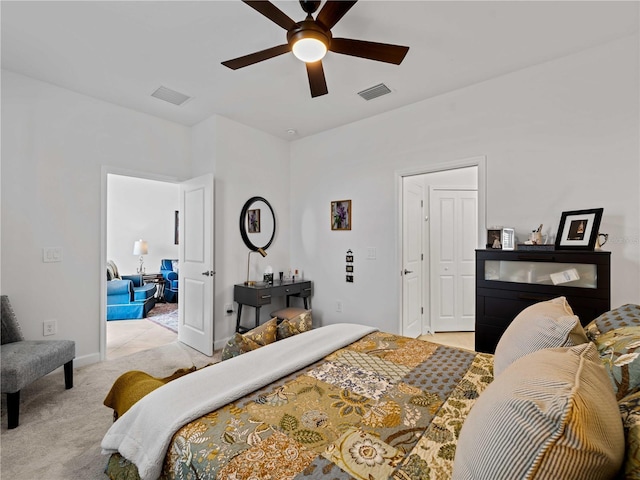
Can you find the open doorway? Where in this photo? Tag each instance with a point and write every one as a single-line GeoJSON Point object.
{"type": "Point", "coordinates": [443, 217]}
{"type": "Point", "coordinates": [141, 209]}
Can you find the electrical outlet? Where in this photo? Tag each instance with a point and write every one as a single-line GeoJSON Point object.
{"type": "Point", "coordinates": [49, 327]}
{"type": "Point", "coordinates": [339, 306]}
{"type": "Point", "coordinates": [228, 309]}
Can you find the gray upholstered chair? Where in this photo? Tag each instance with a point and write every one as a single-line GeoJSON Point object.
{"type": "Point", "coordinates": [24, 361]}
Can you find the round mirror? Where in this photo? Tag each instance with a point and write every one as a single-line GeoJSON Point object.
{"type": "Point", "coordinates": [257, 223]}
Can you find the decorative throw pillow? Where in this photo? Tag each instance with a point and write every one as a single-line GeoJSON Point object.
{"type": "Point", "coordinates": [251, 340]}
{"type": "Point", "coordinates": [619, 351]}
{"type": "Point", "coordinates": [300, 323]}
{"type": "Point", "coordinates": [112, 271]}
{"type": "Point", "coordinates": [625, 316]}
{"type": "Point", "coordinates": [263, 334]}
{"type": "Point", "coordinates": [550, 415]}
{"type": "Point", "coordinates": [630, 412]}
{"type": "Point", "coordinates": [549, 324]}
{"type": "Point", "coordinates": [237, 345]}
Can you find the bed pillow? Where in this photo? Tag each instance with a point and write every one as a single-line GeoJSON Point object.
{"type": "Point", "coordinates": [630, 412]}
{"type": "Point", "coordinates": [551, 414]}
{"type": "Point", "coordinates": [293, 326]}
{"type": "Point", "coordinates": [625, 316]}
{"type": "Point", "coordinates": [251, 340]}
{"type": "Point", "coordinates": [549, 324]}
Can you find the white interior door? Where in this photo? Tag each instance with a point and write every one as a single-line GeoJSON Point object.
{"type": "Point", "coordinates": [412, 255]}
{"type": "Point", "coordinates": [454, 229]}
{"type": "Point", "coordinates": [196, 275]}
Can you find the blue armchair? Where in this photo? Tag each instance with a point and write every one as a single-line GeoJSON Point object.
{"type": "Point", "coordinates": [127, 295]}
{"type": "Point", "coordinates": [169, 270]}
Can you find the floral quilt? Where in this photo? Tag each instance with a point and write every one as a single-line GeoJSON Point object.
{"type": "Point", "coordinates": [385, 406]}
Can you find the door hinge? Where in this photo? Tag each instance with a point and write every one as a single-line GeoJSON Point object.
{"type": "Point", "coordinates": [422, 256]}
{"type": "Point", "coordinates": [421, 203]}
{"type": "Point", "coordinates": [422, 310]}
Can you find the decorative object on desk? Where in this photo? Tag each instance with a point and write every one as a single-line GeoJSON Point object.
{"type": "Point", "coordinates": [261, 224]}
{"type": "Point", "coordinates": [578, 229]}
{"type": "Point", "coordinates": [349, 268]}
{"type": "Point", "coordinates": [268, 275]}
{"type": "Point", "coordinates": [494, 237]}
{"type": "Point", "coordinates": [261, 252]}
{"type": "Point", "coordinates": [508, 239]}
{"type": "Point", "coordinates": [141, 248]}
{"type": "Point", "coordinates": [599, 244]}
{"type": "Point", "coordinates": [341, 215]}
{"type": "Point", "coordinates": [535, 237]}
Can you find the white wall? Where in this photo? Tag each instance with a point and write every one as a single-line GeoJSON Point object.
{"type": "Point", "coordinates": [55, 144]}
{"type": "Point", "coordinates": [559, 136]}
{"type": "Point", "coordinates": [246, 163]}
{"type": "Point", "coordinates": [138, 208]}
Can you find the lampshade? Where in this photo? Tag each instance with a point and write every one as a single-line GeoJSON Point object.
{"type": "Point", "coordinates": [140, 247]}
{"type": "Point", "coordinates": [309, 49]}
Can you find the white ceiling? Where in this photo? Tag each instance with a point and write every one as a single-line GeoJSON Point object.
{"type": "Point", "coordinates": [121, 52]}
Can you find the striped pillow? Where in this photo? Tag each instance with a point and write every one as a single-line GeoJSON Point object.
{"type": "Point", "coordinates": [551, 415]}
{"type": "Point", "coordinates": [549, 324]}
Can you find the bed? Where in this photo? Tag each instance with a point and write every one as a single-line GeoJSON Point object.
{"type": "Point", "coordinates": [346, 401]}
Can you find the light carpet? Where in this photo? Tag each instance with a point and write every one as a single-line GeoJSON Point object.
{"type": "Point", "coordinates": [60, 430]}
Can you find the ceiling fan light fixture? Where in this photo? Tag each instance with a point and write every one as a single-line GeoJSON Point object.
{"type": "Point", "coordinates": [309, 49]}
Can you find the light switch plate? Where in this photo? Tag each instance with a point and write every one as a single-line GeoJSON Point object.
{"type": "Point", "coordinates": [51, 254]}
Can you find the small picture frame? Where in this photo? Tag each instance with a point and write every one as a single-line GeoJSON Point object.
{"type": "Point", "coordinates": [508, 239]}
{"type": "Point", "coordinates": [349, 268]}
{"type": "Point", "coordinates": [253, 221]}
{"type": "Point", "coordinates": [494, 238]}
{"type": "Point", "coordinates": [341, 215]}
{"type": "Point", "coordinates": [578, 229]}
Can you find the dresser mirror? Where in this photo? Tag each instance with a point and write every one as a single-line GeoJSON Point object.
{"type": "Point", "coordinates": [257, 223]}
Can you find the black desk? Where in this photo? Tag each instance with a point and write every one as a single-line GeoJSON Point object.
{"type": "Point", "coordinates": [261, 294]}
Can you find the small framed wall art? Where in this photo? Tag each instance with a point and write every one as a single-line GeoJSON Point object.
{"type": "Point", "coordinates": [578, 229]}
{"type": "Point", "coordinates": [341, 215]}
{"type": "Point", "coordinates": [253, 221]}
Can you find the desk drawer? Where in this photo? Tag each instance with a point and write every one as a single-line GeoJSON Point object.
{"type": "Point", "coordinates": [283, 290]}
{"type": "Point", "coordinates": [252, 296]}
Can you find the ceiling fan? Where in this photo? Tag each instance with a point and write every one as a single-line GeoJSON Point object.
{"type": "Point", "coordinates": [310, 39]}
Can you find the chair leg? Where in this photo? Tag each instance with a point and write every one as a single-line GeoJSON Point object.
{"type": "Point", "coordinates": [68, 374]}
{"type": "Point", "coordinates": [13, 409]}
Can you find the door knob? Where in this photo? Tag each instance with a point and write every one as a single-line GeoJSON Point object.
{"type": "Point", "coordinates": [407, 271]}
{"type": "Point", "coordinates": [208, 273]}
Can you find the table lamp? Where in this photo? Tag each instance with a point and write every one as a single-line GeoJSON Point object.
{"type": "Point", "coordinates": [261, 252]}
{"type": "Point", "coordinates": [141, 248]}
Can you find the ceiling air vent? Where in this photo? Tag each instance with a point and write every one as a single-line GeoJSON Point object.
{"type": "Point", "coordinates": [171, 96]}
{"type": "Point", "coordinates": [374, 92]}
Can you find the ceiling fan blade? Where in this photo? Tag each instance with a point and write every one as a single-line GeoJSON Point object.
{"type": "Point", "coordinates": [256, 57]}
{"type": "Point", "coordinates": [317, 82]}
{"type": "Point", "coordinates": [333, 11]}
{"type": "Point", "coordinates": [382, 52]}
{"type": "Point", "coordinates": [272, 12]}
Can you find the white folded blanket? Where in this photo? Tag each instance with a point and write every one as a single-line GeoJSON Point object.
{"type": "Point", "coordinates": [142, 435]}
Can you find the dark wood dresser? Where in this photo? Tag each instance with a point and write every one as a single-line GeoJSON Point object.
{"type": "Point", "coordinates": [509, 281]}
